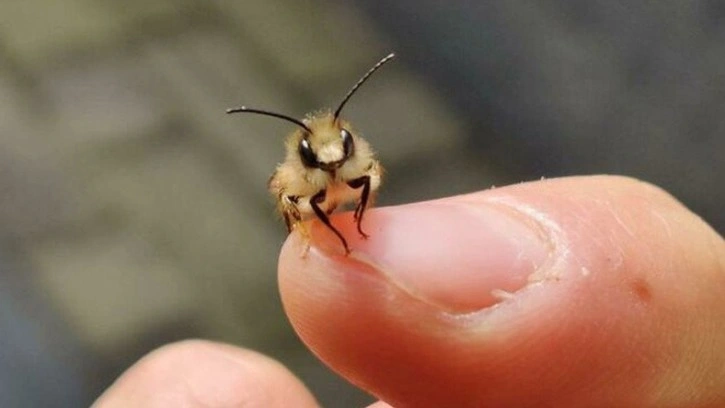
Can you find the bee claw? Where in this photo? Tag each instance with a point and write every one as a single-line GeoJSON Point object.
{"type": "Point", "coordinates": [304, 253]}
{"type": "Point", "coordinates": [305, 250]}
{"type": "Point", "coordinates": [362, 234]}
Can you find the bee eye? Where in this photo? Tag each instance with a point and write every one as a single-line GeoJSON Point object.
{"type": "Point", "coordinates": [308, 156]}
{"type": "Point", "coordinates": [347, 143]}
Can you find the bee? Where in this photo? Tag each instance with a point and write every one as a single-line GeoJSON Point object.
{"type": "Point", "coordinates": [327, 164]}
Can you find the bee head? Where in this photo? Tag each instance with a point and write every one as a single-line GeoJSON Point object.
{"type": "Point", "coordinates": [326, 142]}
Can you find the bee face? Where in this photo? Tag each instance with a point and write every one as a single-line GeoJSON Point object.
{"type": "Point", "coordinates": [328, 147]}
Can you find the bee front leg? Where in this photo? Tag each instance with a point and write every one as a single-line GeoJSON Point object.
{"type": "Point", "coordinates": [293, 219]}
{"type": "Point", "coordinates": [290, 212]}
{"type": "Point", "coordinates": [363, 182]}
{"type": "Point", "coordinates": [315, 204]}
{"type": "Point", "coordinates": [288, 221]}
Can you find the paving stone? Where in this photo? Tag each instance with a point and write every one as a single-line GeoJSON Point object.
{"type": "Point", "coordinates": [39, 32]}
{"type": "Point", "coordinates": [333, 39]}
{"type": "Point", "coordinates": [34, 194]}
{"type": "Point", "coordinates": [10, 113]}
{"type": "Point", "coordinates": [33, 198]}
{"type": "Point", "coordinates": [173, 198]}
{"type": "Point", "coordinates": [112, 288]}
{"type": "Point", "coordinates": [35, 30]}
{"type": "Point", "coordinates": [99, 102]}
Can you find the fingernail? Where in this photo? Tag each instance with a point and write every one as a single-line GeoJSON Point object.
{"type": "Point", "coordinates": [457, 255]}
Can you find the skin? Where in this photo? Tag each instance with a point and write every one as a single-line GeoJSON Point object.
{"type": "Point", "coordinates": [576, 292]}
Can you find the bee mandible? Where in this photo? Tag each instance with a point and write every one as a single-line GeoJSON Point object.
{"type": "Point", "coordinates": [327, 164]}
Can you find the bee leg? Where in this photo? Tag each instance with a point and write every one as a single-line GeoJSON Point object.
{"type": "Point", "coordinates": [289, 211]}
{"type": "Point", "coordinates": [293, 220]}
{"type": "Point", "coordinates": [288, 222]}
{"type": "Point", "coordinates": [363, 182]}
{"type": "Point", "coordinates": [314, 203]}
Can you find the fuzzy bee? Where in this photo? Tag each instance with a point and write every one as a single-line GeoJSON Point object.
{"type": "Point", "coordinates": [327, 164]}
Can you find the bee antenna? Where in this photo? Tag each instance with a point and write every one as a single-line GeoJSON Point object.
{"type": "Point", "coordinates": [268, 113]}
{"type": "Point", "coordinates": [362, 81]}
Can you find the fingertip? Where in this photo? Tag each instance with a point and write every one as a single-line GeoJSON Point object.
{"type": "Point", "coordinates": [198, 373]}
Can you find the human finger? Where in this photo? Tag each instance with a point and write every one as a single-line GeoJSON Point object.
{"type": "Point", "coordinates": [197, 373]}
{"type": "Point", "coordinates": [586, 291]}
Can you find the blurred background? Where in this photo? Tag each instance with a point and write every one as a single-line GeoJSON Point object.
{"type": "Point", "coordinates": [134, 212]}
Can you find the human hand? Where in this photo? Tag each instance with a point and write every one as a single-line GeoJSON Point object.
{"type": "Point", "coordinates": [576, 292]}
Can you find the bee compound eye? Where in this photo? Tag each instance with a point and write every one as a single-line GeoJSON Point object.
{"type": "Point", "coordinates": [348, 144]}
{"type": "Point", "coordinates": [307, 155]}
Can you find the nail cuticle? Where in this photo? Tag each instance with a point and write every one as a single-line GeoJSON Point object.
{"type": "Point", "coordinates": [552, 267]}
